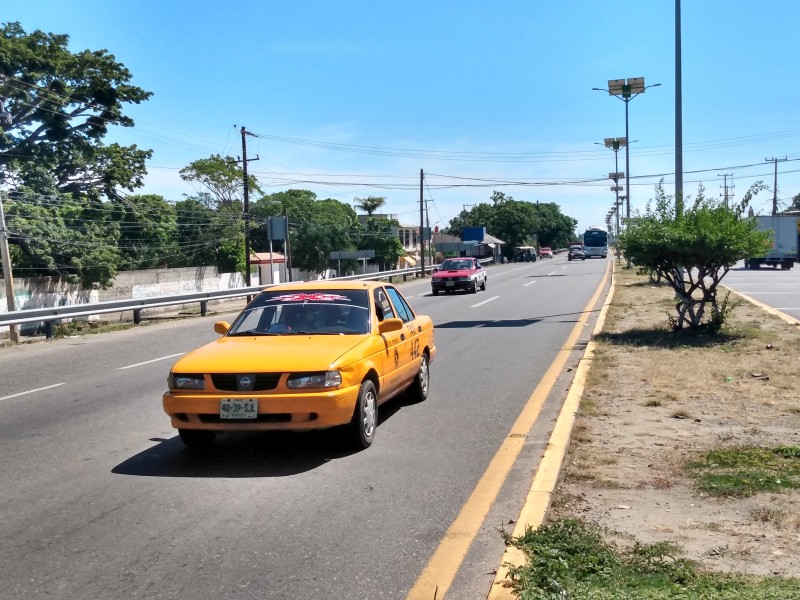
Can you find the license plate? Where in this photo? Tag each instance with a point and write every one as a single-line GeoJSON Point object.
{"type": "Point", "coordinates": [450, 283]}
{"type": "Point", "coordinates": [234, 408]}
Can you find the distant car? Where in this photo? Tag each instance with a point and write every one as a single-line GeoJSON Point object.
{"type": "Point", "coordinates": [525, 254]}
{"type": "Point", "coordinates": [576, 253]}
{"type": "Point", "coordinates": [466, 274]}
{"type": "Point", "coordinates": [304, 356]}
{"type": "Point", "coordinates": [545, 252]}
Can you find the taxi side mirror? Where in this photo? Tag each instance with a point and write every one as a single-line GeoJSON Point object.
{"type": "Point", "coordinates": [389, 325]}
{"type": "Point", "coordinates": [222, 327]}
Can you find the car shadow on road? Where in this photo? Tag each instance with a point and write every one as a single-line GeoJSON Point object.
{"type": "Point", "coordinates": [248, 454]}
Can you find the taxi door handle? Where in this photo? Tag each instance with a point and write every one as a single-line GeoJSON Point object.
{"type": "Point", "coordinates": [403, 336]}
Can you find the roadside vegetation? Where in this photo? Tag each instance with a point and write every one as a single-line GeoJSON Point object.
{"type": "Point", "coordinates": [571, 559]}
{"type": "Point", "coordinates": [692, 248]}
{"type": "Point", "coordinates": [682, 480]}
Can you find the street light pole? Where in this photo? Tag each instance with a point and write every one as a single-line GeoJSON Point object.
{"type": "Point", "coordinates": [626, 90]}
{"type": "Point", "coordinates": [615, 144]}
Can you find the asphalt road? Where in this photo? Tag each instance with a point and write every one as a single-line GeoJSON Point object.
{"type": "Point", "coordinates": [99, 498]}
{"type": "Point", "coordinates": [774, 287]}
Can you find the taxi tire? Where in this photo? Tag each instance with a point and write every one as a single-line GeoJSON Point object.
{"type": "Point", "coordinates": [474, 289]}
{"type": "Point", "coordinates": [197, 438]}
{"type": "Point", "coordinates": [418, 390]}
{"type": "Point", "coordinates": [483, 284]}
{"type": "Point", "coordinates": [361, 430]}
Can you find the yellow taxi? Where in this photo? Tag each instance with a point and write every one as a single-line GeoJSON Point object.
{"type": "Point", "coordinates": [304, 356]}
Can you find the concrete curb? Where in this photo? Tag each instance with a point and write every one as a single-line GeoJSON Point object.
{"type": "Point", "coordinates": [773, 311]}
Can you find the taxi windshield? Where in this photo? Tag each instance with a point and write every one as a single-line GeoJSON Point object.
{"type": "Point", "coordinates": [314, 312]}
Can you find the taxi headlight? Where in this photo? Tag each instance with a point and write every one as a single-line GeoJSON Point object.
{"type": "Point", "coordinates": [326, 379]}
{"type": "Point", "coordinates": [180, 381]}
{"type": "Point", "coordinates": [464, 278]}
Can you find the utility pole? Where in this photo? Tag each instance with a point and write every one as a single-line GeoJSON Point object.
{"type": "Point", "coordinates": [247, 210]}
{"type": "Point", "coordinates": [775, 185]}
{"type": "Point", "coordinates": [287, 258]}
{"type": "Point", "coordinates": [8, 276]}
{"type": "Point", "coordinates": [428, 227]}
{"type": "Point", "coordinates": [421, 225]}
{"type": "Point", "coordinates": [725, 186]}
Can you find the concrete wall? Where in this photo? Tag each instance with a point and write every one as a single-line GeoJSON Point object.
{"type": "Point", "coordinates": [45, 292]}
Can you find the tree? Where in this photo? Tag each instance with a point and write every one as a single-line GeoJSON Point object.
{"type": "Point", "coordinates": [795, 205]}
{"type": "Point", "coordinates": [380, 235]}
{"type": "Point", "coordinates": [55, 109]}
{"type": "Point", "coordinates": [694, 251]}
{"type": "Point", "coordinates": [370, 204]}
{"type": "Point", "coordinates": [517, 222]}
{"type": "Point", "coordinates": [555, 228]}
{"type": "Point", "coordinates": [316, 227]}
{"type": "Point", "coordinates": [64, 236]}
{"type": "Point", "coordinates": [223, 177]}
{"type": "Point", "coordinates": [210, 237]}
{"type": "Point", "coordinates": [148, 232]}
{"type": "Point", "coordinates": [326, 228]}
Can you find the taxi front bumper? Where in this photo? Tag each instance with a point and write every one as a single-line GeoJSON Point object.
{"type": "Point", "coordinates": [296, 411]}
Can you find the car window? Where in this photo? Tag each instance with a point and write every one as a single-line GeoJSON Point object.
{"type": "Point", "coordinates": [401, 306]}
{"type": "Point", "coordinates": [304, 312]}
{"type": "Point", "coordinates": [457, 264]}
{"type": "Point", "coordinates": [383, 308]}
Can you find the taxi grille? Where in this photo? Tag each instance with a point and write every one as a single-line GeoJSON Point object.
{"type": "Point", "coordinates": [228, 381]}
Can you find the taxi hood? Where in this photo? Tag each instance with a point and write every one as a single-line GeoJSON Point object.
{"type": "Point", "coordinates": [256, 354]}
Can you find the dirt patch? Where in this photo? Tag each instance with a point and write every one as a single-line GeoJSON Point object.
{"type": "Point", "coordinates": [654, 402]}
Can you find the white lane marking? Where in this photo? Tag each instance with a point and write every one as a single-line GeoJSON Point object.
{"type": "Point", "coordinates": [530, 283]}
{"type": "Point", "coordinates": [484, 302]}
{"type": "Point", "coordinates": [147, 362]}
{"type": "Point", "coordinates": [41, 389]}
{"type": "Point", "coordinates": [553, 273]}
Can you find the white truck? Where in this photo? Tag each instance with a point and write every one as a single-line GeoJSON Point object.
{"type": "Point", "coordinates": [785, 232]}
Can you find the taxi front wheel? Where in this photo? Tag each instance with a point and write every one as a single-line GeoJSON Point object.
{"type": "Point", "coordinates": [418, 390]}
{"type": "Point", "coordinates": [361, 430]}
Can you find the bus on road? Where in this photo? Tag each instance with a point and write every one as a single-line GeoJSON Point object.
{"type": "Point", "coordinates": [595, 242]}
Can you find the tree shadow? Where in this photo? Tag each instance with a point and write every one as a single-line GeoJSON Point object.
{"type": "Point", "coordinates": [487, 323]}
{"type": "Point", "coordinates": [511, 323]}
{"type": "Point", "coordinates": [669, 339]}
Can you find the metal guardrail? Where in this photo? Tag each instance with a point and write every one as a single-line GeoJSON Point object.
{"type": "Point", "coordinates": [52, 315]}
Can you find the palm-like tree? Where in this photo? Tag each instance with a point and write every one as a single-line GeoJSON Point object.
{"type": "Point", "coordinates": [371, 204]}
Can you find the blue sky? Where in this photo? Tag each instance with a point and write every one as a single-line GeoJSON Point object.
{"type": "Point", "coordinates": [353, 98]}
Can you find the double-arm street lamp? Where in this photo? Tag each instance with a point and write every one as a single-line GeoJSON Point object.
{"type": "Point", "coordinates": [626, 90]}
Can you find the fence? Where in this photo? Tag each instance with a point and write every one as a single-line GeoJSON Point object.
{"type": "Point", "coordinates": [48, 317]}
